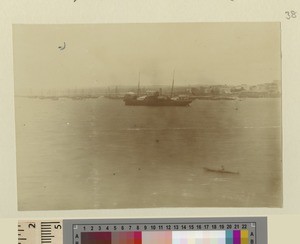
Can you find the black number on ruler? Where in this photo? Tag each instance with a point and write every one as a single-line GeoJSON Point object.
{"type": "Point", "coordinates": [32, 225]}
{"type": "Point", "coordinates": [290, 14]}
{"type": "Point", "coordinates": [57, 227]}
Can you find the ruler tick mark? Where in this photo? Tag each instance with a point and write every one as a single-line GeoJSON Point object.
{"type": "Point", "coordinates": [50, 223]}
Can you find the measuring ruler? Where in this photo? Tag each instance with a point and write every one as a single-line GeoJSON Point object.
{"type": "Point", "coordinates": [40, 232]}
{"type": "Point", "coordinates": [247, 230]}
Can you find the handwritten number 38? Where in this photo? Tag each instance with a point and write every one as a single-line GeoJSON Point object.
{"type": "Point", "coordinates": [291, 14]}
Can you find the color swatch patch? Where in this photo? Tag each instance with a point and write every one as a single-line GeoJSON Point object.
{"type": "Point", "coordinates": [167, 237]}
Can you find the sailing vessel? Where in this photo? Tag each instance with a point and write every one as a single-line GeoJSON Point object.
{"type": "Point", "coordinates": [155, 98]}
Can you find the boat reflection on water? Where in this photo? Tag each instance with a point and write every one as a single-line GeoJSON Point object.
{"type": "Point", "coordinates": [156, 99]}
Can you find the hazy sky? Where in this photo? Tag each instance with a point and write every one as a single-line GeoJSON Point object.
{"type": "Point", "coordinates": [114, 54]}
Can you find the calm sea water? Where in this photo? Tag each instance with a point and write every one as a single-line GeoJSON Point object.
{"type": "Point", "coordinates": [99, 153]}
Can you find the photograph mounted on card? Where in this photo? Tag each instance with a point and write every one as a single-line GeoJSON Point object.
{"type": "Point", "coordinates": [148, 115]}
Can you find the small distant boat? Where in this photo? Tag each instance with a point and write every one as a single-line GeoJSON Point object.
{"type": "Point", "coordinates": [222, 170]}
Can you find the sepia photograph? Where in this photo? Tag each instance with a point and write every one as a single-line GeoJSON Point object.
{"type": "Point", "coordinates": [115, 116]}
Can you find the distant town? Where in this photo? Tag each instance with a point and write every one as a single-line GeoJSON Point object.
{"type": "Point", "coordinates": [263, 90]}
{"type": "Point", "coordinates": [272, 89]}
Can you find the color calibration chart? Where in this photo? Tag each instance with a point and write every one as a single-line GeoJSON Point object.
{"type": "Point", "coordinates": [237, 230]}
{"type": "Point", "coordinates": [168, 231]}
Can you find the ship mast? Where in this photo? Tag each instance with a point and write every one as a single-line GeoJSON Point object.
{"type": "Point", "coordinates": [173, 83]}
{"type": "Point", "coordinates": [138, 90]}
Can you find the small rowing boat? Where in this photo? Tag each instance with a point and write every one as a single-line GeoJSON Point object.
{"type": "Point", "coordinates": [222, 170]}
